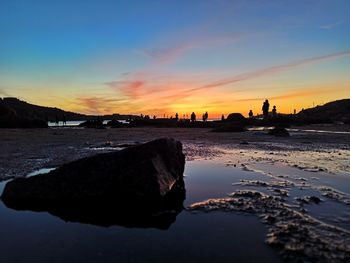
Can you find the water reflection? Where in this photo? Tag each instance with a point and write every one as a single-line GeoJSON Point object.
{"type": "Point", "coordinates": [105, 212]}
{"type": "Point", "coordinates": [214, 237]}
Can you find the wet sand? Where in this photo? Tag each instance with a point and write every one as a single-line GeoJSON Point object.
{"type": "Point", "coordinates": [26, 150]}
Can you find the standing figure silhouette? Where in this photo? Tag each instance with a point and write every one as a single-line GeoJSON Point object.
{"type": "Point", "coordinates": [265, 109]}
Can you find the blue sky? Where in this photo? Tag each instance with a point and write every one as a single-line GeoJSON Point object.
{"type": "Point", "coordinates": [123, 56]}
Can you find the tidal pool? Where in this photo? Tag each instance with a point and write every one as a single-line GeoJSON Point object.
{"type": "Point", "coordinates": [193, 237]}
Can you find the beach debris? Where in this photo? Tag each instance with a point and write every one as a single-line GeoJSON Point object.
{"type": "Point", "coordinates": [334, 194]}
{"type": "Point", "coordinates": [308, 199]}
{"type": "Point", "coordinates": [281, 192]}
{"type": "Point", "coordinates": [148, 176]}
{"type": "Point", "coordinates": [298, 236]}
{"type": "Point", "coordinates": [279, 132]}
{"type": "Point", "coordinates": [253, 183]}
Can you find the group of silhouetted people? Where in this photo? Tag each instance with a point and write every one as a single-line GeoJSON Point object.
{"type": "Point", "coordinates": [265, 110]}
{"type": "Point", "coordinates": [205, 116]}
{"type": "Point", "coordinates": [193, 117]}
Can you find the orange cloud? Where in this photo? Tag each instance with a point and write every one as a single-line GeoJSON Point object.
{"type": "Point", "coordinates": [129, 88]}
{"type": "Point", "coordinates": [258, 73]}
{"type": "Point", "coordinates": [96, 105]}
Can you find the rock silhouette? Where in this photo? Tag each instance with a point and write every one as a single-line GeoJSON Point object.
{"type": "Point", "coordinates": [235, 122]}
{"type": "Point", "coordinates": [141, 186]}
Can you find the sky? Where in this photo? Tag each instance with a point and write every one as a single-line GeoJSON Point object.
{"type": "Point", "coordinates": [160, 57]}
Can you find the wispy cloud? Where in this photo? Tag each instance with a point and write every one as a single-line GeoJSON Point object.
{"type": "Point", "coordinates": [171, 54]}
{"type": "Point", "coordinates": [129, 88]}
{"type": "Point", "coordinates": [96, 104]}
{"type": "Point", "coordinates": [330, 26]}
{"type": "Point", "coordinates": [272, 70]}
{"type": "Point", "coordinates": [148, 91]}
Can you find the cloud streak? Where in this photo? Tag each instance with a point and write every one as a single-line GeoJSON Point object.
{"type": "Point", "coordinates": [129, 88]}
{"type": "Point", "coordinates": [330, 26]}
{"type": "Point", "coordinates": [144, 90]}
{"type": "Point", "coordinates": [171, 54]}
{"type": "Point", "coordinates": [273, 70]}
{"type": "Point", "coordinates": [96, 104]}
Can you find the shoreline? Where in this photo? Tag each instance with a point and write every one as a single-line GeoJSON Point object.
{"type": "Point", "coordinates": [27, 150]}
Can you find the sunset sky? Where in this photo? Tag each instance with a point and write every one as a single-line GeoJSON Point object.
{"type": "Point", "coordinates": [161, 57]}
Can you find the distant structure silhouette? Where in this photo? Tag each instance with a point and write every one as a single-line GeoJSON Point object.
{"type": "Point", "coordinates": [193, 117]}
{"type": "Point", "coordinates": [222, 117]}
{"type": "Point", "coordinates": [295, 111]}
{"type": "Point", "coordinates": [57, 121]}
{"type": "Point", "coordinates": [154, 117]}
{"type": "Point", "coordinates": [250, 114]}
{"type": "Point", "coordinates": [265, 109]}
{"type": "Point", "coordinates": [274, 111]}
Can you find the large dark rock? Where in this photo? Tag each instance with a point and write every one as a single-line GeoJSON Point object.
{"type": "Point", "coordinates": [235, 122]}
{"type": "Point", "coordinates": [116, 124]}
{"type": "Point", "coordinates": [138, 186]}
{"type": "Point", "coordinates": [236, 117]}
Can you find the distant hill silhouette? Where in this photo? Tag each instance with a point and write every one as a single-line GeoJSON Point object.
{"type": "Point", "coordinates": [26, 110]}
{"type": "Point", "coordinates": [335, 111]}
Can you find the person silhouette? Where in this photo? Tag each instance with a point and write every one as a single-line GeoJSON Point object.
{"type": "Point", "coordinates": [222, 117]}
{"type": "Point", "coordinates": [176, 116]}
{"type": "Point", "coordinates": [274, 111]}
{"type": "Point", "coordinates": [265, 108]}
{"type": "Point", "coordinates": [206, 116]}
{"type": "Point", "coordinates": [193, 117]}
{"type": "Point", "coordinates": [250, 114]}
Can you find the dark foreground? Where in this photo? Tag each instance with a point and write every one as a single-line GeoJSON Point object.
{"type": "Point", "coordinates": [290, 199]}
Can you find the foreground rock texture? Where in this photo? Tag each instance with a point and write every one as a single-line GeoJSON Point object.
{"type": "Point", "coordinates": [298, 236]}
{"type": "Point", "coordinates": [142, 180]}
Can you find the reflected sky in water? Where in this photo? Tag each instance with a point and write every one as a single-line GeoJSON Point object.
{"type": "Point", "coordinates": [42, 237]}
